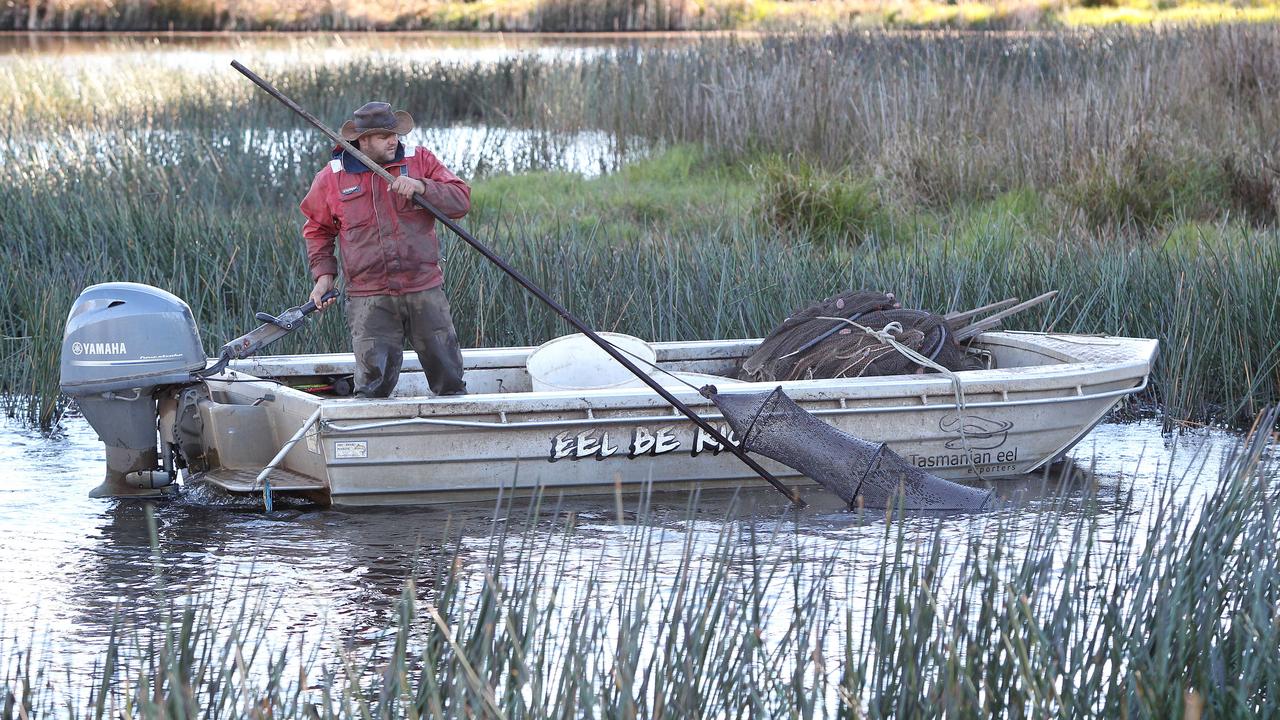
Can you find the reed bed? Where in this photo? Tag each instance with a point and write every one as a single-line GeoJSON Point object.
{"type": "Point", "coordinates": [605, 15]}
{"type": "Point", "coordinates": [1095, 609]}
{"type": "Point", "coordinates": [1135, 172]}
{"type": "Point", "coordinates": [1210, 299]}
{"type": "Point", "coordinates": [1118, 126]}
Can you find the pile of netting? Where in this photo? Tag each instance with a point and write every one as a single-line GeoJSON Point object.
{"type": "Point", "coordinates": [848, 336]}
{"type": "Point", "coordinates": [861, 473]}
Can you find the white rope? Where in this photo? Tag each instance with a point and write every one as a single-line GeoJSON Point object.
{"type": "Point", "coordinates": [887, 335]}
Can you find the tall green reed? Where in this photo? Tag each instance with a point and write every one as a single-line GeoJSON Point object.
{"type": "Point", "coordinates": [1212, 304]}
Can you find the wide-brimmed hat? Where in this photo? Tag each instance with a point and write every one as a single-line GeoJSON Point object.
{"type": "Point", "coordinates": [376, 117]}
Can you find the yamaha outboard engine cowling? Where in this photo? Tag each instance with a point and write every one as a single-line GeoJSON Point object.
{"type": "Point", "coordinates": [122, 342]}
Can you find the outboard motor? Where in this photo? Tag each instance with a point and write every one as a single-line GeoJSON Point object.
{"type": "Point", "coordinates": [122, 342]}
{"type": "Point", "coordinates": [127, 353]}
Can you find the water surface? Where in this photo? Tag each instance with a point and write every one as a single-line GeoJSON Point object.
{"type": "Point", "coordinates": [86, 61]}
{"type": "Point", "coordinates": [190, 51]}
{"type": "Point", "coordinates": [70, 565]}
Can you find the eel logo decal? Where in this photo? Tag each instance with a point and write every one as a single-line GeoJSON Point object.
{"type": "Point", "coordinates": [981, 433]}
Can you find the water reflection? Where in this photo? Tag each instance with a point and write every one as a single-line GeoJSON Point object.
{"type": "Point", "coordinates": [469, 150]}
{"type": "Point", "coordinates": [85, 61]}
{"type": "Point", "coordinates": [71, 564]}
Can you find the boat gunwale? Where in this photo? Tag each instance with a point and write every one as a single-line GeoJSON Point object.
{"type": "Point", "coordinates": [1048, 381]}
{"type": "Point", "coordinates": [642, 419]}
{"type": "Point", "coordinates": [514, 357]}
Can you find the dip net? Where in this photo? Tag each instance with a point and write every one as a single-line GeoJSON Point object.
{"type": "Point", "coordinates": [859, 472]}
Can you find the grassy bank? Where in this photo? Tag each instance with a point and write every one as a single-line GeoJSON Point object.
{"type": "Point", "coordinates": [1087, 606]}
{"type": "Point", "coordinates": [1135, 172]}
{"type": "Point", "coordinates": [612, 15]}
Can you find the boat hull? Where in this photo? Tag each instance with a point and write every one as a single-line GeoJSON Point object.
{"type": "Point", "coordinates": [412, 450]}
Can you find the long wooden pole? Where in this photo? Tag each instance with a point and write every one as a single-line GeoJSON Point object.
{"type": "Point", "coordinates": [530, 286]}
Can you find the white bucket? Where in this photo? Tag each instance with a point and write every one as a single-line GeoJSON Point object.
{"type": "Point", "coordinates": [574, 362]}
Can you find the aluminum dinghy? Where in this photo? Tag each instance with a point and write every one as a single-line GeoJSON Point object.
{"type": "Point", "coordinates": [1040, 394]}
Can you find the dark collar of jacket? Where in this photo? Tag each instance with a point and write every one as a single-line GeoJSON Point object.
{"type": "Point", "coordinates": [352, 165]}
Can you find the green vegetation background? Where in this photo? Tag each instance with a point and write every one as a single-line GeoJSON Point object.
{"type": "Point", "coordinates": [1134, 171]}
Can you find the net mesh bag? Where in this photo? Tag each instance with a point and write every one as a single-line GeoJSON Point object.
{"type": "Point", "coordinates": [810, 344]}
{"type": "Point", "coordinates": [773, 425]}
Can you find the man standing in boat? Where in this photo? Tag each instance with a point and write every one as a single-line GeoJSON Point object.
{"type": "Point", "coordinates": [389, 249]}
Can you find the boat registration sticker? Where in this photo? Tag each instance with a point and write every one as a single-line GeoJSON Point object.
{"type": "Point", "coordinates": [348, 449]}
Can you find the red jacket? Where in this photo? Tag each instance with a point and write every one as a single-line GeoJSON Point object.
{"type": "Point", "coordinates": [388, 244]}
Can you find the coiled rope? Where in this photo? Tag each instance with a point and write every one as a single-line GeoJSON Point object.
{"type": "Point", "coordinates": [887, 335]}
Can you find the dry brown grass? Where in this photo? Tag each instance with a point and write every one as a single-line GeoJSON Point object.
{"type": "Point", "coordinates": [616, 15]}
{"type": "Point", "coordinates": [1168, 118]}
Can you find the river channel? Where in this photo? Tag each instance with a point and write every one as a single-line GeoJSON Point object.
{"type": "Point", "coordinates": [72, 566]}
{"type": "Point", "coordinates": [468, 148]}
